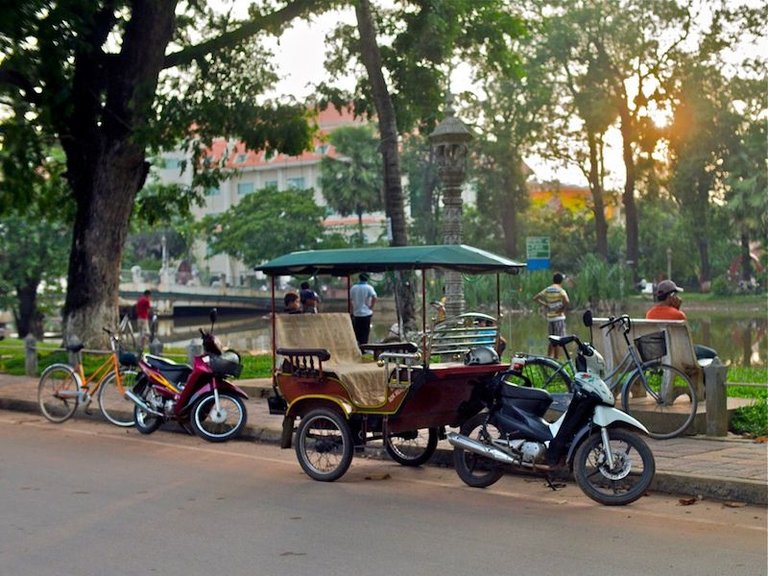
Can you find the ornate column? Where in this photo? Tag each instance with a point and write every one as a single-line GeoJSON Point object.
{"type": "Point", "coordinates": [449, 142]}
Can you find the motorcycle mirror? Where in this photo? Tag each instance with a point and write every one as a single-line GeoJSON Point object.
{"type": "Point", "coordinates": [213, 315]}
{"type": "Point", "coordinates": [587, 318]}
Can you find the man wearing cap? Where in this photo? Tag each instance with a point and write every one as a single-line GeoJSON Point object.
{"type": "Point", "coordinates": [668, 303]}
{"type": "Point", "coordinates": [667, 307]}
{"type": "Point", "coordinates": [363, 298]}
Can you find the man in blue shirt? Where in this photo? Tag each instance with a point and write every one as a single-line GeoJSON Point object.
{"type": "Point", "coordinates": [363, 298]}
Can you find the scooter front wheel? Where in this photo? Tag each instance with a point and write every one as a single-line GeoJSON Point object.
{"type": "Point", "coordinates": [146, 422]}
{"type": "Point", "coordinates": [473, 469]}
{"type": "Point", "coordinates": [626, 479]}
{"type": "Point", "coordinates": [222, 423]}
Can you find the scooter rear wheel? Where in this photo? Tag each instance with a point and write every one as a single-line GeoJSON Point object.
{"type": "Point", "coordinates": [624, 482]}
{"type": "Point", "coordinates": [473, 469]}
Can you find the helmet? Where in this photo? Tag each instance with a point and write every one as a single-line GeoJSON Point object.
{"type": "Point", "coordinates": [481, 355]}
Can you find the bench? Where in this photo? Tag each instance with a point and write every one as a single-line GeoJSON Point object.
{"type": "Point", "coordinates": [324, 345]}
{"type": "Point", "coordinates": [454, 337]}
{"type": "Point", "coordinates": [679, 346]}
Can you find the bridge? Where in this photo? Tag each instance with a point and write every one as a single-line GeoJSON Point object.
{"type": "Point", "coordinates": [170, 299]}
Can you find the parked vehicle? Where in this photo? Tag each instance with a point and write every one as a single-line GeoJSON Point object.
{"type": "Point", "coordinates": [335, 401]}
{"type": "Point", "coordinates": [197, 396]}
{"type": "Point", "coordinates": [610, 462]}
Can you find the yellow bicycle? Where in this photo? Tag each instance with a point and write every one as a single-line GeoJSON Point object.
{"type": "Point", "coordinates": [63, 387]}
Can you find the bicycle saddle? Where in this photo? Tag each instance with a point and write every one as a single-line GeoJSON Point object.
{"type": "Point", "coordinates": [562, 340]}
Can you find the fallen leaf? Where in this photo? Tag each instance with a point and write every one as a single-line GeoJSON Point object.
{"type": "Point", "coordinates": [732, 504]}
{"type": "Point", "coordinates": [761, 439]}
{"type": "Point", "coordinates": [384, 476]}
{"type": "Point", "coordinates": [688, 501]}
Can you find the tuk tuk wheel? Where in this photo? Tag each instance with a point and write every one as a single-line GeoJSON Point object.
{"type": "Point", "coordinates": [411, 448]}
{"type": "Point", "coordinates": [324, 445]}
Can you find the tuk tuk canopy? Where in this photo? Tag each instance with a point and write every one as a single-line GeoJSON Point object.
{"type": "Point", "coordinates": [348, 261]}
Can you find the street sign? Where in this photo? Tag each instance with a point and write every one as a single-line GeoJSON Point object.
{"type": "Point", "coordinates": [537, 247]}
{"type": "Point", "coordinates": [537, 252]}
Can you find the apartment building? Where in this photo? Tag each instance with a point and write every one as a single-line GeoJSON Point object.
{"type": "Point", "coordinates": [256, 170]}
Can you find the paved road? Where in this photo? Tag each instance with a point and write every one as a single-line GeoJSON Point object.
{"type": "Point", "coordinates": [85, 498]}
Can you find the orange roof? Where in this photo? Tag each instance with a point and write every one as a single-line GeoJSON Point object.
{"type": "Point", "coordinates": [327, 120]}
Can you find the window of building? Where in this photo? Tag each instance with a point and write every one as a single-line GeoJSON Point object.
{"type": "Point", "coordinates": [295, 183]}
{"type": "Point", "coordinates": [213, 191]}
{"type": "Point", "coordinates": [245, 188]}
{"type": "Point", "coordinates": [271, 184]}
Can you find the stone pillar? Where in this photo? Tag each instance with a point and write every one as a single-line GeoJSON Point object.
{"type": "Point", "coordinates": [449, 141]}
{"type": "Point", "coordinates": [30, 355]}
{"type": "Point", "coordinates": [715, 376]}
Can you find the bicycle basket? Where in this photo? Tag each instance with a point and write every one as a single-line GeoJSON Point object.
{"type": "Point", "coordinates": [652, 346]}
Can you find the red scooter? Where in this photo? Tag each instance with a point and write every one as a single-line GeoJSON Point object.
{"type": "Point", "coordinates": [199, 396]}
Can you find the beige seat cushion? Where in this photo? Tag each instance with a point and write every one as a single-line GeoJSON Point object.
{"type": "Point", "coordinates": [365, 381]}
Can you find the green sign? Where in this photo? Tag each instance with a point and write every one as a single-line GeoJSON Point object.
{"type": "Point", "coordinates": [537, 247]}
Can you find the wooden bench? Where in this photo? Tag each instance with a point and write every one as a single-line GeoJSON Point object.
{"type": "Point", "coordinates": [679, 346]}
{"type": "Point", "coordinates": [454, 337]}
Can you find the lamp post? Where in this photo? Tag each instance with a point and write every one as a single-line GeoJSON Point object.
{"type": "Point", "coordinates": [449, 143]}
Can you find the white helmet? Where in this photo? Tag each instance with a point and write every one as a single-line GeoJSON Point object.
{"type": "Point", "coordinates": [481, 355]}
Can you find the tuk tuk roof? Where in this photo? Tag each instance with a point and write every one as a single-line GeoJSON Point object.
{"type": "Point", "coordinates": [347, 261]}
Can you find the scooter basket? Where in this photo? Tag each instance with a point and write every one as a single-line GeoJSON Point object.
{"type": "Point", "coordinates": [652, 346]}
{"type": "Point", "coordinates": [227, 365]}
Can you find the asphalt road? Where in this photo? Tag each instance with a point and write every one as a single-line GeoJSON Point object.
{"type": "Point", "coordinates": [85, 498]}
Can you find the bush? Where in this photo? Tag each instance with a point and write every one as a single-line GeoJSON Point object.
{"type": "Point", "coordinates": [751, 420]}
{"type": "Point", "coordinates": [721, 286]}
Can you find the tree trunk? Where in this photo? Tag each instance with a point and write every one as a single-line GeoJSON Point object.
{"type": "Point", "coordinates": [393, 188]}
{"type": "Point", "coordinates": [628, 197]}
{"type": "Point", "coordinates": [598, 205]}
{"type": "Point", "coordinates": [28, 319]}
{"type": "Point", "coordinates": [106, 165]}
{"type": "Point", "coordinates": [746, 259]}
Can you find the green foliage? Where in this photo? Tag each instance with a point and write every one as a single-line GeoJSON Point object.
{"type": "Point", "coordinates": [751, 420]}
{"type": "Point", "coordinates": [266, 224]}
{"type": "Point", "coordinates": [352, 179]}
{"type": "Point", "coordinates": [721, 286]}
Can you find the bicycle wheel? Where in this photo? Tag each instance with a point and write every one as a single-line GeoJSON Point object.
{"type": "Point", "coordinates": [112, 401]}
{"type": "Point", "coordinates": [58, 392]}
{"type": "Point", "coordinates": [543, 372]}
{"type": "Point", "coordinates": [127, 336]}
{"type": "Point", "coordinates": [662, 398]}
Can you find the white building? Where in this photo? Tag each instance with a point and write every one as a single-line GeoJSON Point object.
{"type": "Point", "coordinates": [256, 170]}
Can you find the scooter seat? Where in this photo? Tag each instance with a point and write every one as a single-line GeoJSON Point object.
{"type": "Point", "coordinates": [173, 371]}
{"type": "Point", "coordinates": [513, 391]}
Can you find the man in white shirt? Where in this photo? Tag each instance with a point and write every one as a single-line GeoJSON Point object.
{"type": "Point", "coordinates": [363, 298]}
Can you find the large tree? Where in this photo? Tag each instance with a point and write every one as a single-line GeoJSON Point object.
{"type": "Point", "coordinates": [351, 179]}
{"type": "Point", "coordinates": [111, 79]}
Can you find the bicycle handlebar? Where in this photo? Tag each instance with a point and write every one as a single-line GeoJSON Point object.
{"type": "Point", "coordinates": [623, 320]}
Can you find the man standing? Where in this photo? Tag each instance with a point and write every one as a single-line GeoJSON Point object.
{"type": "Point", "coordinates": [555, 301]}
{"type": "Point", "coordinates": [143, 306]}
{"type": "Point", "coordinates": [363, 298]}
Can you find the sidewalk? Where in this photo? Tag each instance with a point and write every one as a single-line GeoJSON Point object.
{"type": "Point", "coordinates": [728, 468]}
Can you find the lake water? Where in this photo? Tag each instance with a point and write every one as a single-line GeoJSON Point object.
{"type": "Point", "coordinates": [739, 336]}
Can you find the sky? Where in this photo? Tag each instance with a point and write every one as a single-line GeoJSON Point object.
{"type": "Point", "coordinates": [300, 55]}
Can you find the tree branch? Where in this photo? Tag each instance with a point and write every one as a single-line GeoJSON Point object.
{"type": "Point", "coordinates": [268, 22]}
